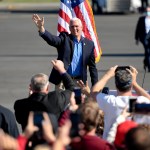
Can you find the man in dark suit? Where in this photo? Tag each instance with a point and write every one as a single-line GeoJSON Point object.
{"type": "Point", "coordinates": [75, 51]}
{"type": "Point", "coordinates": [40, 99]}
{"type": "Point", "coordinates": [142, 28]}
{"type": "Point", "coordinates": [144, 5]}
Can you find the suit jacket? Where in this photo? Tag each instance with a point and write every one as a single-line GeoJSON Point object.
{"type": "Point", "coordinates": [54, 102]}
{"type": "Point", "coordinates": [8, 122]}
{"type": "Point", "coordinates": [140, 32]}
{"type": "Point", "coordinates": [65, 47]}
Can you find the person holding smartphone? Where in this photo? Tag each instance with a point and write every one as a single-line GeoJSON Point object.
{"type": "Point", "coordinates": [112, 105]}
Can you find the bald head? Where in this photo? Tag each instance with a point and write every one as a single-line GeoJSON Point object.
{"type": "Point", "coordinates": [39, 82]}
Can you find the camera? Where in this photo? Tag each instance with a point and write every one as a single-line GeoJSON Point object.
{"type": "Point", "coordinates": [105, 90]}
{"type": "Point", "coordinates": [132, 102]}
{"type": "Point", "coordinates": [122, 68]}
{"type": "Point", "coordinates": [141, 111]}
{"type": "Point", "coordinates": [77, 91]}
{"type": "Point", "coordinates": [142, 108]}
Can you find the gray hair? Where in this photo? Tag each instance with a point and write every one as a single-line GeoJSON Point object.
{"type": "Point", "coordinates": [75, 19]}
{"type": "Point", "coordinates": [39, 82]}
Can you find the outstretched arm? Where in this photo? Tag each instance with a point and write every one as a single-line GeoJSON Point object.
{"type": "Point", "coordinates": [102, 82]}
{"type": "Point", "coordinates": [39, 22]}
{"type": "Point", "coordinates": [139, 90]}
{"type": "Point", "coordinates": [67, 80]}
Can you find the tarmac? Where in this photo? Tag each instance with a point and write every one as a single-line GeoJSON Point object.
{"type": "Point", "coordinates": [23, 53]}
{"type": "Point", "coordinates": [29, 7]}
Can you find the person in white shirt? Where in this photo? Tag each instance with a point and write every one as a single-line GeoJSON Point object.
{"type": "Point", "coordinates": [125, 81]}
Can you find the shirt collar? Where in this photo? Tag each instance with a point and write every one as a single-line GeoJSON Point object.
{"type": "Point", "coordinates": [75, 39]}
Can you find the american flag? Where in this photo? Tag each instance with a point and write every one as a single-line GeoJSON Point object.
{"type": "Point", "coordinates": [82, 10]}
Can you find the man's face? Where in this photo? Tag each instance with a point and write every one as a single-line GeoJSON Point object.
{"type": "Point", "coordinates": [76, 28]}
{"type": "Point", "coordinates": [148, 11]}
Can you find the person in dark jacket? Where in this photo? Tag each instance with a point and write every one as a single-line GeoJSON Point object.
{"type": "Point", "coordinates": [76, 51]}
{"type": "Point", "coordinates": [142, 29]}
{"type": "Point", "coordinates": [8, 122]}
{"type": "Point", "coordinates": [144, 5]}
{"type": "Point", "coordinates": [40, 99]}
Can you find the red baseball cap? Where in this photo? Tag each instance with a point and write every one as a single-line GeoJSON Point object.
{"type": "Point", "coordinates": [122, 129]}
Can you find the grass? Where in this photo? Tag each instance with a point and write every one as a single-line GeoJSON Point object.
{"type": "Point", "coordinates": [28, 1]}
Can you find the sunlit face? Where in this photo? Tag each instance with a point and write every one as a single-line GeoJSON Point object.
{"type": "Point", "coordinates": [148, 11]}
{"type": "Point", "coordinates": [76, 28]}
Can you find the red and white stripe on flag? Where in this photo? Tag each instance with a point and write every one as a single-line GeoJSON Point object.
{"type": "Point", "coordinates": [82, 10]}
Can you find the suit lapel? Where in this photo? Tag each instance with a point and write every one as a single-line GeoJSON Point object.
{"type": "Point", "coordinates": [71, 46]}
{"type": "Point", "coordinates": [84, 44]}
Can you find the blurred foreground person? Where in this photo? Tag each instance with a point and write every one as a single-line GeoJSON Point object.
{"type": "Point", "coordinates": [47, 139]}
{"type": "Point", "coordinates": [122, 130]}
{"type": "Point", "coordinates": [90, 118]}
{"type": "Point", "coordinates": [137, 138]}
{"type": "Point", "coordinates": [8, 122]}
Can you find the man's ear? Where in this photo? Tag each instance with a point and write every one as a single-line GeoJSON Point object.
{"type": "Point", "coordinates": [30, 90]}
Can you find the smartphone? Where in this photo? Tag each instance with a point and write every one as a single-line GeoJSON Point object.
{"type": "Point", "coordinates": [38, 118]}
{"type": "Point", "coordinates": [75, 121]}
{"type": "Point", "coordinates": [122, 68]}
{"type": "Point", "coordinates": [105, 90]}
{"type": "Point", "coordinates": [77, 91]}
{"type": "Point", "coordinates": [132, 102]}
{"type": "Point", "coordinates": [142, 108]}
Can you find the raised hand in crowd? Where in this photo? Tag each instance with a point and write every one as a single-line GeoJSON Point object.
{"type": "Point", "coordinates": [63, 139]}
{"type": "Point", "coordinates": [47, 129]}
{"type": "Point", "coordinates": [59, 66]}
{"type": "Point", "coordinates": [102, 82]}
{"type": "Point", "coordinates": [73, 106]}
{"type": "Point", "coordinates": [7, 142]}
{"type": "Point", "coordinates": [48, 133]}
{"type": "Point", "coordinates": [30, 128]}
{"type": "Point", "coordinates": [139, 90]}
{"type": "Point", "coordinates": [134, 74]}
{"type": "Point", "coordinates": [84, 87]}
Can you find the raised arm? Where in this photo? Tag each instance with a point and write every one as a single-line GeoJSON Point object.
{"type": "Point", "coordinates": [139, 90]}
{"type": "Point", "coordinates": [39, 22]}
{"type": "Point", "coordinates": [102, 82]}
{"type": "Point", "coordinates": [67, 80]}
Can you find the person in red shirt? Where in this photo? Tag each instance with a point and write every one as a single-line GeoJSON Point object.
{"type": "Point", "coordinates": [90, 117]}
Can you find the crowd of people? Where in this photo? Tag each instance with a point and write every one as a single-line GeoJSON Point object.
{"type": "Point", "coordinates": [75, 116]}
